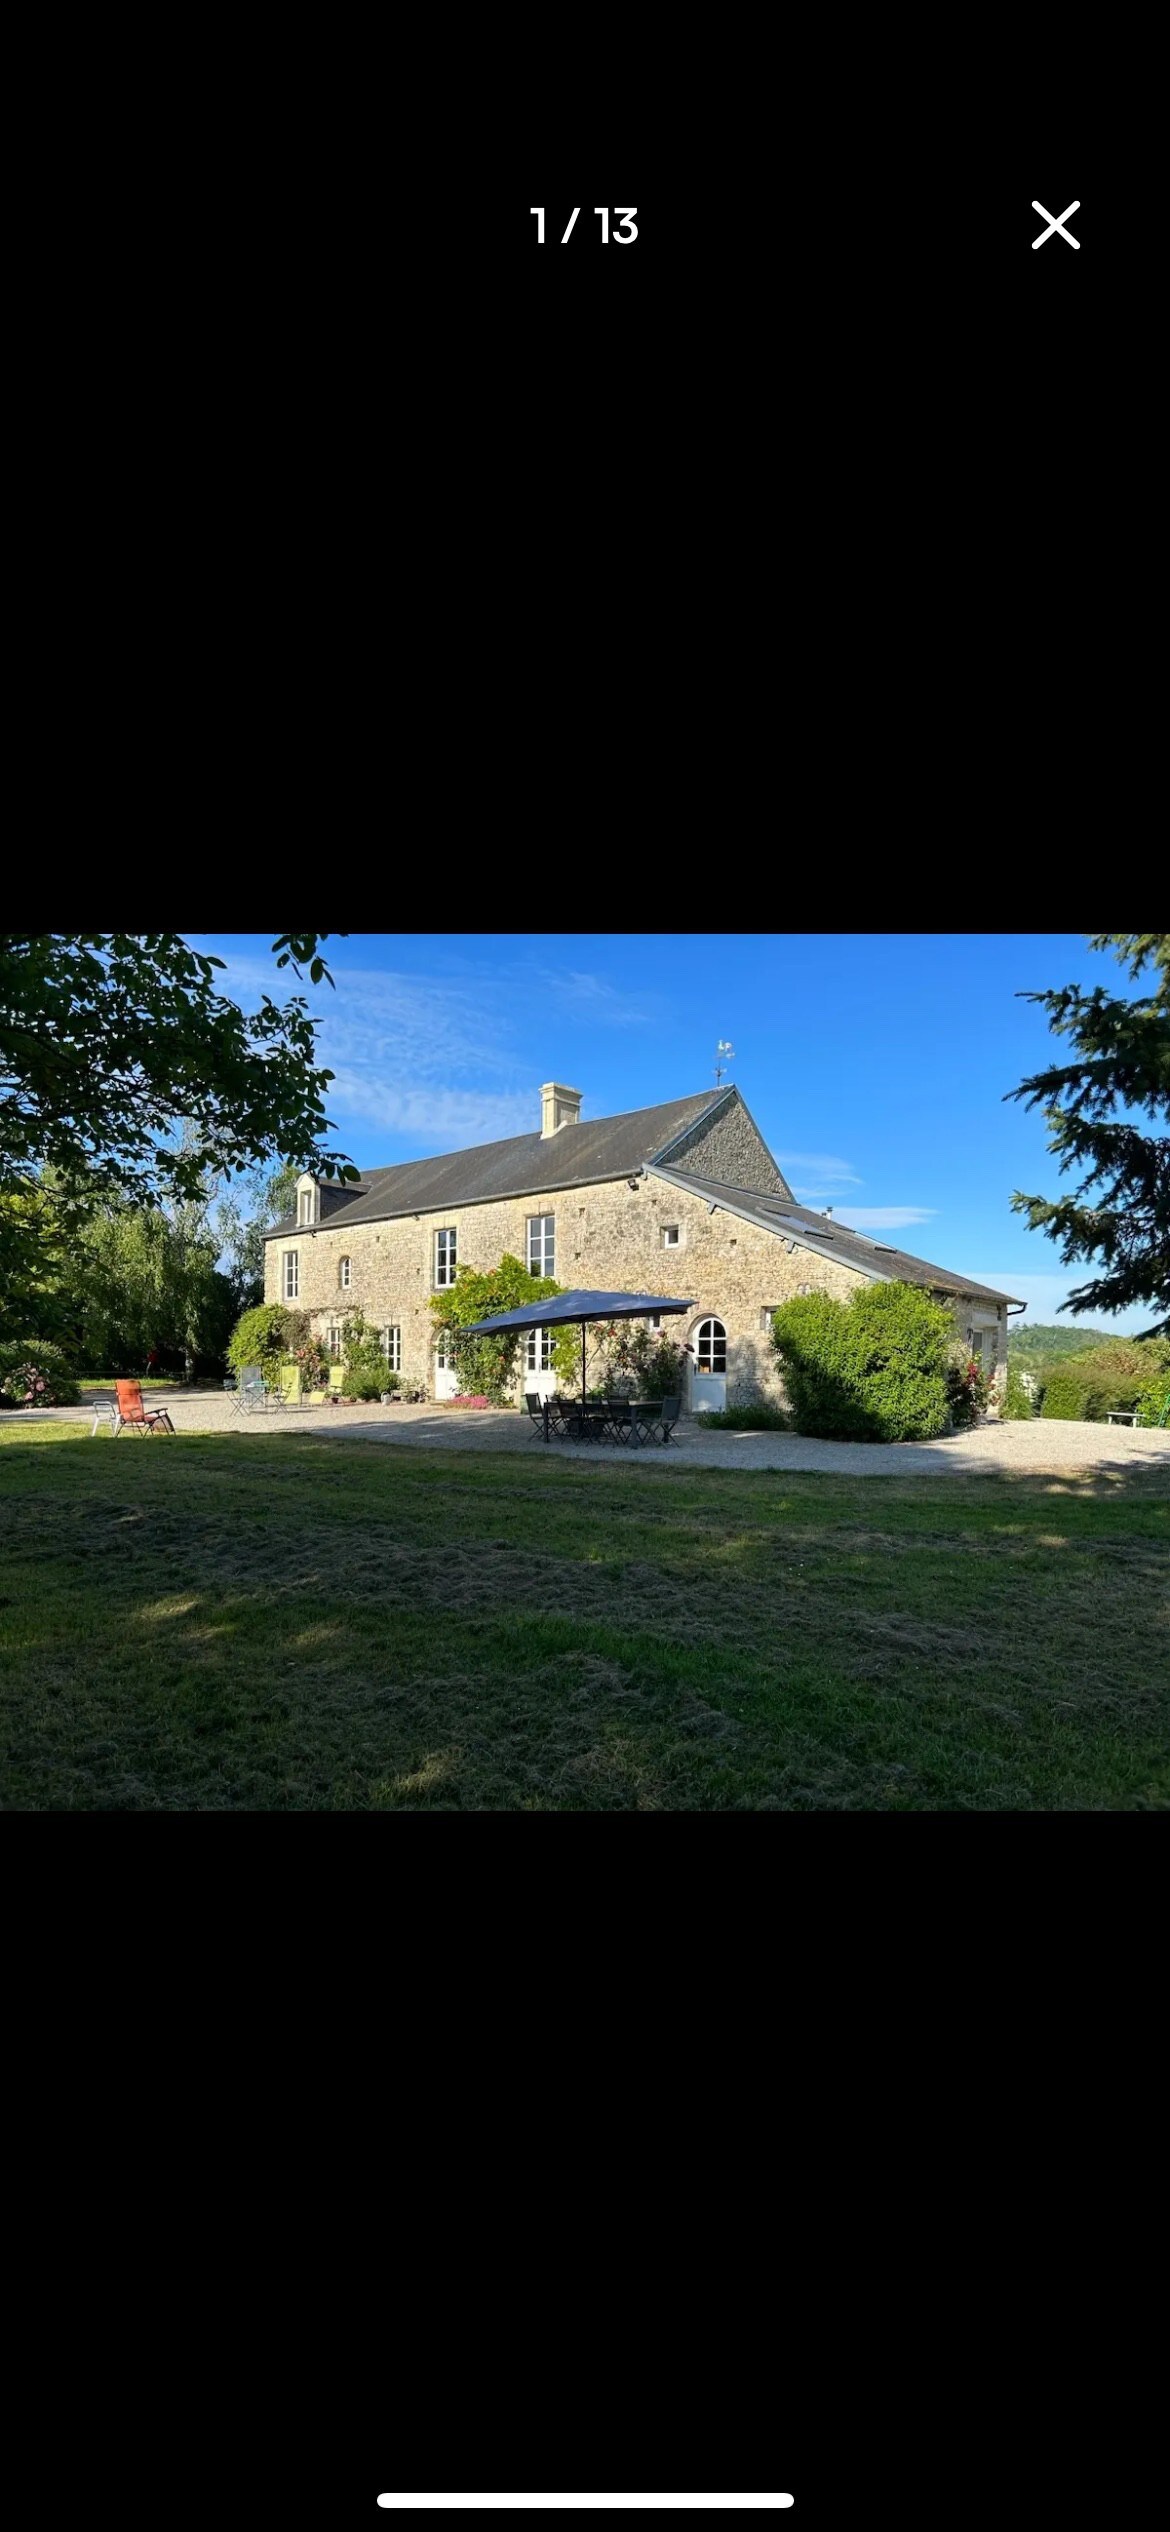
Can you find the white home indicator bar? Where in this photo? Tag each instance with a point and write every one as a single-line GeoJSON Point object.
{"type": "Point", "coordinates": [586, 2501]}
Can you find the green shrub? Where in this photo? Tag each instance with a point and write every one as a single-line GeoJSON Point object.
{"type": "Point", "coordinates": [870, 1369]}
{"type": "Point", "coordinates": [260, 1339]}
{"type": "Point", "coordinates": [1153, 1400]}
{"type": "Point", "coordinates": [34, 1373]}
{"type": "Point", "coordinates": [366, 1371]}
{"type": "Point", "coordinates": [752, 1419]}
{"type": "Point", "coordinates": [1114, 1374]}
{"type": "Point", "coordinates": [1017, 1403]}
{"type": "Point", "coordinates": [1067, 1395]}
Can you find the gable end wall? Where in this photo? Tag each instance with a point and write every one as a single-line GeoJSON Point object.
{"type": "Point", "coordinates": [730, 1149]}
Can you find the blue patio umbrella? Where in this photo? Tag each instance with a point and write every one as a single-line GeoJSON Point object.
{"type": "Point", "coordinates": [567, 1308]}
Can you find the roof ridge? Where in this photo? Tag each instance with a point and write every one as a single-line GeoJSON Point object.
{"type": "Point", "coordinates": [592, 1149]}
{"type": "Point", "coordinates": [534, 1135]}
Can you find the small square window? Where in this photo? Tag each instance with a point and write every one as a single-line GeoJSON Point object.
{"type": "Point", "coordinates": [670, 1235]}
{"type": "Point", "coordinates": [767, 1316]}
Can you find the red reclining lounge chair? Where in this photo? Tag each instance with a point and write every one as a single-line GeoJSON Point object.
{"type": "Point", "coordinates": [130, 1411]}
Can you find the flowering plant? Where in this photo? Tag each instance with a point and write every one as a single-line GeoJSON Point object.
{"type": "Point", "coordinates": [968, 1389]}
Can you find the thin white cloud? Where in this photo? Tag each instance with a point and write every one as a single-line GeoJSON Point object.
{"type": "Point", "coordinates": [826, 1165]}
{"type": "Point", "coordinates": [593, 998]}
{"type": "Point", "coordinates": [888, 1217]}
{"type": "Point", "coordinates": [432, 1061]}
{"type": "Point", "coordinates": [818, 1177]}
{"type": "Point", "coordinates": [428, 1059]}
{"type": "Point", "coordinates": [448, 1119]}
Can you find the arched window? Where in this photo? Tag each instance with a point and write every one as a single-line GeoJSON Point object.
{"type": "Point", "coordinates": [711, 1346]}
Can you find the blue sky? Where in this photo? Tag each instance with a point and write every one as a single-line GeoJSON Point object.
{"type": "Point", "coordinates": [875, 1065]}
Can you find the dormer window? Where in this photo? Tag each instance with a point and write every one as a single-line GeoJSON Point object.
{"type": "Point", "coordinates": [308, 1204]}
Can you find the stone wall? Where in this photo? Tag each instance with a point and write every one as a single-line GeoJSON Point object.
{"type": "Point", "coordinates": [608, 1237]}
{"type": "Point", "coordinates": [730, 1149]}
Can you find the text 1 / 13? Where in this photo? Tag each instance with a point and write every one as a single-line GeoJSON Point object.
{"type": "Point", "coordinates": [627, 219]}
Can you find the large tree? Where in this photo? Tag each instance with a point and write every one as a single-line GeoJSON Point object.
{"type": "Point", "coordinates": [1119, 1215]}
{"type": "Point", "coordinates": [240, 1223]}
{"type": "Point", "coordinates": [123, 1069]}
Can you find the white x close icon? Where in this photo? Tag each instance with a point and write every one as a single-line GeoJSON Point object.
{"type": "Point", "coordinates": [1056, 224]}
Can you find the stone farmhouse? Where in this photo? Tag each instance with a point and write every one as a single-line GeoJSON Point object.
{"type": "Point", "coordinates": [683, 1199]}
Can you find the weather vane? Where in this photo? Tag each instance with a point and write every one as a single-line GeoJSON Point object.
{"type": "Point", "coordinates": [724, 1055]}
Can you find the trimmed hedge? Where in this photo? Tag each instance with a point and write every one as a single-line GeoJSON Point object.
{"type": "Point", "coordinates": [1116, 1375]}
{"type": "Point", "coordinates": [749, 1419]}
{"type": "Point", "coordinates": [870, 1369]}
{"type": "Point", "coordinates": [1066, 1396]}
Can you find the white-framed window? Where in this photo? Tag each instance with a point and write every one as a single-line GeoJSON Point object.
{"type": "Point", "coordinates": [392, 1348]}
{"type": "Point", "coordinates": [711, 1346]}
{"type": "Point", "coordinates": [445, 1350]}
{"type": "Point", "coordinates": [343, 1273]}
{"type": "Point", "coordinates": [671, 1235]}
{"type": "Point", "coordinates": [445, 1259]}
{"type": "Point", "coordinates": [538, 1350]}
{"type": "Point", "coordinates": [334, 1342]}
{"type": "Point", "coordinates": [305, 1206]}
{"type": "Point", "coordinates": [541, 1244]}
{"type": "Point", "coordinates": [656, 1321]}
{"type": "Point", "coordinates": [292, 1274]}
{"type": "Point", "coordinates": [766, 1317]}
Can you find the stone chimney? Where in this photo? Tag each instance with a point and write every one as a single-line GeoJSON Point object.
{"type": "Point", "coordinates": [558, 1107]}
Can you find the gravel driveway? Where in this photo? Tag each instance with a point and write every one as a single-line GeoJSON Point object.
{"type": "Point", "coordinates": [1010, 1449]}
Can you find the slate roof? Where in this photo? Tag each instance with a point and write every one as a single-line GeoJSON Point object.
{"type": "Point", "coordinates": [524, 1165]}
{"type": "Point", "coordinates": [828, 1238]}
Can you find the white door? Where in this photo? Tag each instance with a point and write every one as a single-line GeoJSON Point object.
{"type": "Point", "coordinates": [536, 1363]}
{"type": "Point", "coordinates": [446, 1376]}
{"type": "Point", "coordinates": [708, 1367]}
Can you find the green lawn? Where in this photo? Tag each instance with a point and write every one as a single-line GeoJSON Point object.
{"type": "Point", "coordinates": [305, 1624]}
